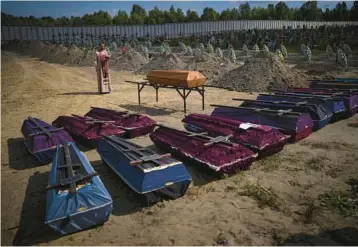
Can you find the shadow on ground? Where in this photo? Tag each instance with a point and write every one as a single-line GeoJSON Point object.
{"type": "Point", "coordinates": [347, 236]}
{"type": "Point", "coordinates": [32, 229]}
{"type": "Point", "coordinates": [19, 156]}
{"type": "Point", "coordinates": [151, 111]}
{"type": "Point", "coordinates": [80, 93]}
{"type": "Point", "coordinates": [125, 201]}
{"type": "Point", "coordinates": [353, 125]}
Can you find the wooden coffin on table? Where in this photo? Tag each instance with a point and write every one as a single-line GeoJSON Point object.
{"type": "Point", "coordinates": [178, 78]}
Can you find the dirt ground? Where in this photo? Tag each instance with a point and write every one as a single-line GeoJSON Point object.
{"type": "Point", "coordinates": [276, 198]}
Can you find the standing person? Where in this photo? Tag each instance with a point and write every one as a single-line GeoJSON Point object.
{"type": "Point", "coordinates": [102, 69]}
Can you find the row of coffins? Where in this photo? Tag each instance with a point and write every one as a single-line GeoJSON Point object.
{"type": "Point", "coordinates": [76, 196]}
{"type": "Point", "coordinates": [229, 139]}
{"type": "Point", "coordinates": [41, 138]}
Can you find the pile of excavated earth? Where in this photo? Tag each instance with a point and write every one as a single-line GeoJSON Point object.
{"type": "Point", "coordinates": [73, 55]}
{"type": "Point", "coordinates": [257, 74]}
{"type": "Point", "coordinates": [262, 74]}
{"type": "Point", "coordinates": [130, 61]}
{"type": "Point", "coordinates": [209, 65]}
{"type": "Point", "coordinates": [162, 62]}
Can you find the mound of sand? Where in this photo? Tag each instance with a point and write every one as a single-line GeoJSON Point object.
{"type": "Point", "coordinates": [47, 53]}
{"type": "Point", "coordinates": [262, 74]}
{"type": "Point", "coordinates": [131, 61]}
{"type": "Point", "coordinates": [88, 58]}
{"type": "Point", "coordinates": [72, 56]}
{"type": "Point", "coordinates": [209, 65]}
{"type": "Point", "coordinates": [163, 62]}
{"type": "Point", "coordinates": [324, 70]}
{"type": "Point", "coordinates": [36, 47]}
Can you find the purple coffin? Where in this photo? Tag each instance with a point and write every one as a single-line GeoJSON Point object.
{"type": "Point", "coordinates": [133, 124]}
{"type": "Point", "coordinates": [41, 139]}
{"type": "Point", "coordinates": [87, 131]}
{"type": "Point", "coordinates": [349, 97]}
{"type": "Point", "coordinates": [222, 157]}
{"type": "Point", "coordinates": [298, 125]}
{"type": "Point", "coordinates": [263, 139]}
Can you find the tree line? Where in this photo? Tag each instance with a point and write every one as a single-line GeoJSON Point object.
{"type": "Point", "coordinates": [309, 11]}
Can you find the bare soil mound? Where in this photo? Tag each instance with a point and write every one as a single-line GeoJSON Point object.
{"type": "Point", "coordinates": [49, 53]}
{"type": "Point", "coordinates": [131, 61]}
{"type": "Point", "coordinates": [88, 58]}
{"type": "Point", "coordinates": [72, 56]}
{"type": "Point", "coordinates": [163, 62]}
{"type": "Point", "coordinates": [262, 74]}
{"type": "Point", "coordinates": [209, 65]}
{"type": "Point", "coordinates": [323, 70]}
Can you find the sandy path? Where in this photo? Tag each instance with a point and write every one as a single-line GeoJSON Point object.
{"type": "Point", "coordinates": [211, 212]}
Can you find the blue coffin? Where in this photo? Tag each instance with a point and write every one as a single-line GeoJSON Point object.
{"type": "Point", "coordinates": [320, 115]}
{"type": "Point", "coordinates": [76, 196]}
{"type": "Point", "coordinates": [350, 99]}
{"type": "Point", "coordinates": [347, 80]}
{"type": "Point", "coordinates": [334, 105]}
{"type": "Point", "coordinates": [153, 180]}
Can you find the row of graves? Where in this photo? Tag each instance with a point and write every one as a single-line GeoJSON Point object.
{"type": "Point", "coordinates": [226, 141]}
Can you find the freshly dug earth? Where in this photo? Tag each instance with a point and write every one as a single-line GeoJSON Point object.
{"type": "Point", "coordinates": [52, 53]}
{"type": "Point", "coordinates": [163, 62]}
{"type": "Point", "coordinates": [72, 56]}
{"type": "Point", "coordinates": [209, 65]}
{"type": "Point", "coordinates": [323, 70]}
{"type": "Point", "coordinates": [261, 74]}
{"type": "Point", "coordinates": [131, 61]}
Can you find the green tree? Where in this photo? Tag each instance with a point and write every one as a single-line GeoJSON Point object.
{"type": "Point", "coordinates": [225, 15]}
{"type": "Point", "coordinates": [235, 14]}
{"type": "Point", "coordinates": [271, 12]}
{"type": "Point", "coordinates": [180, 15]}
{"type": "Point", "coordinates": [137, 19]}
{"type": "Point", "coordinates": [155, 16]}
{"type": "Point", "coordinates": [309, 11]}
{"type": "Point", "coordinates": [121, 18]}
{"type": "Point", "coordinates": [137, 9]}
{"type": "Point", "coordinates": [209, 14]}
{"type": "Point", "coordinates": [340, 12]}
{"type": "Point", "coordinates": [192, 16]}
{"type": "Point", "coordinates": [281, 11]}
{"type": "Point", "coordinates": [138, 15]}
{"type": "Point", "coordinates": [245, 11]}
{"type": "Point", "coordinates": [354, 11]}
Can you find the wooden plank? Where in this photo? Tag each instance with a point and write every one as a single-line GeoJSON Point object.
{"type": "Point", "coordinates": [293, 95]}
{"type": "Point", "coordinates": [274, 101]}
{"type": "Point", "coordinates": [296, 97]}
{"type": "Point", "coordinates": [279, 112]}
{"type": "Point", "coordinates": [224, 139]}
{"type": "Point", "coordinates": [45, 131]}
{"type": "Point", "coordinates": [149, 158]}
{"type": "Point", "coordinates": [69, 167]}
{"type": "Point", "coordinates": [81, 177]}
{"type": "Point", "coordinates": [42, 132]}
{"type": "Point", "coordinates": [199, 134]}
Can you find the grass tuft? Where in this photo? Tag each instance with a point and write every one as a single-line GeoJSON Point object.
{"type": "Point", "coordinates": [344, 201]}
{"type": "Point", "coordinates": [315, 163]}
{"type": "Point", "coordinates": [328, 145]}
{"type": "Point", "coordinates": [271, 163]}
{"type": "Point", "coordinates": [264, 196]}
